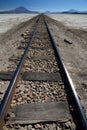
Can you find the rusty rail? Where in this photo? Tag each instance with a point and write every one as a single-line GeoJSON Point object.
{"type": "Point", "coordinates": [5, 104]}
{"type": "Point", "coordinates": [68, 82]}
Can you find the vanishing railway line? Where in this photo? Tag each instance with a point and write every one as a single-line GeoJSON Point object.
{"type": "Point", "coordinates": [45, 92]}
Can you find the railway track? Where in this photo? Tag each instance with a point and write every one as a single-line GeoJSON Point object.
{"type": "Point", "coordinates": [40, 94]}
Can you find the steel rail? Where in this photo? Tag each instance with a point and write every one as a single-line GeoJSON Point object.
{"type": "Point", "coordinates": [68, 81]}
{"type": "Point", "coordinates": [5, 104]}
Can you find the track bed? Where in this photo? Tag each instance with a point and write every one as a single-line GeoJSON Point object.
{"type": "Point", "coordinates": [40, 101]}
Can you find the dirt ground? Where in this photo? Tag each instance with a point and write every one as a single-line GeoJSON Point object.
{"type": "Point", "coordinates": [74, 55]}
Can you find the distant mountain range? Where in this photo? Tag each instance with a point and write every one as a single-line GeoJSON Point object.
{"type": "Point", "coordinates": [24, 10]}
{"type": "Point", "coordinates": [18, 11]}
{"type": "Point", "coordinates": [71, 11]}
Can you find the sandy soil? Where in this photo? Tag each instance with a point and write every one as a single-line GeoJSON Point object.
{"type": "Point", "coordinates": [74, 55]}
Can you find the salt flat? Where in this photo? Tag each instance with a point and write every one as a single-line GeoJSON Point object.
{"type": "Point", "coordinates": [7, 21]}
{"type": "Point", "coordinates": [76, 21]}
